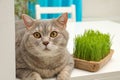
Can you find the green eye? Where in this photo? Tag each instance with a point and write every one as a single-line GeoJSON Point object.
{"type": "Point", "coordinates": [53, 34]}
{"type": "Point", "coordinates": [37, 35]}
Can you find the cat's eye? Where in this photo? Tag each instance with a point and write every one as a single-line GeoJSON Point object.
{"type": "Point", "coordinates": [37, 35]}
{"type": "Point", "coordinates": [53, 34]}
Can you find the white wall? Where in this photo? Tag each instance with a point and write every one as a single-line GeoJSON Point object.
{"type": "Point", "coordinates": [107, 9]}
{"type": "Point", "coordinates": [7, 40]}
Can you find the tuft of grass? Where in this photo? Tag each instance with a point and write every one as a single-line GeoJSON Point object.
{"type": "Point", "coordinates": [92, 45]}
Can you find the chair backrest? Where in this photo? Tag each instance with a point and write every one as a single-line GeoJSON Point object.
{"type": "Point", "coordinates": [44, 10]}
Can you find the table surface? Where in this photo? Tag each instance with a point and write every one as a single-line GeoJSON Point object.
{"type": "Point", "coordinates": [105, 27]}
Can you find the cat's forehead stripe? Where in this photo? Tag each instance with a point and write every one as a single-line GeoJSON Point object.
{"type": "Point", "coordinates": [40, 28]}
{"type": "Point", "coordinates": [37, 29]}
{"type": "Point", "coordinates": [45, 27]}
{"type": "Point", "coordinates": [49, 28]}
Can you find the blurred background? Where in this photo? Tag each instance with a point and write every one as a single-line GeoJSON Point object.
{"type": "Point", "coordinates": [86, 10]}
{"type": "Point", "coordinates": [101, 10]}
{"type": "Point", "coordinates": [28, 7]}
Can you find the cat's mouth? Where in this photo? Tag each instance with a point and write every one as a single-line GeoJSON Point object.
{"type": "Point", "coordinates": [46, 49]}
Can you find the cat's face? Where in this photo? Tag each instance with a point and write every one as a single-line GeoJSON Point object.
{"type": "Point", "coordinates": [46, 36]}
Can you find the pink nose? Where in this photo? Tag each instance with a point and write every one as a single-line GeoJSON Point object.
{"type": "Point", "coordinates": [45, 43]}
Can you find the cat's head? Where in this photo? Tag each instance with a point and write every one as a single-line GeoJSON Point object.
{"type": "Point", "coordinates": [44, 36]}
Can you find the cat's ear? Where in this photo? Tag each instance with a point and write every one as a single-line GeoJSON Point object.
{"type": "Point", "coordinates": [63, 19]}
{"type": "Point", "coordinates": [28, 21]}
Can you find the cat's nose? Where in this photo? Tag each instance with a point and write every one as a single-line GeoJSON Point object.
{"type": "Point", "coordinates": [45, 43]}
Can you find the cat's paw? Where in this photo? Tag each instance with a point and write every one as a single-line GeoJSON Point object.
{"type": "Point", "coordinates": [33, 76]}
{"type": "Point", "coordinates": [63, 77]}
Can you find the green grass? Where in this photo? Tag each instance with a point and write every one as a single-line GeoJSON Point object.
{"type": "Point", "coordinates": [92, 45]}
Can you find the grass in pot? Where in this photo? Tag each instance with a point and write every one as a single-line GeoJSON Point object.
{"type": "Point", "coordinates": [92, 50]}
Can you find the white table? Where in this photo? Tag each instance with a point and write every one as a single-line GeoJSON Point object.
{"type": "Point", "coordinates": [105, 27]}
{"type": "Point", "coordinates": [111, 70]}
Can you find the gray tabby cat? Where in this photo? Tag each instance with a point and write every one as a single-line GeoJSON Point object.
{"type": "Point", "coordinates": [41, 49]}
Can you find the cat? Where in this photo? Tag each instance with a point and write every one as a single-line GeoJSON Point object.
{"type": "Point", "coordinates": [41, 49]}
